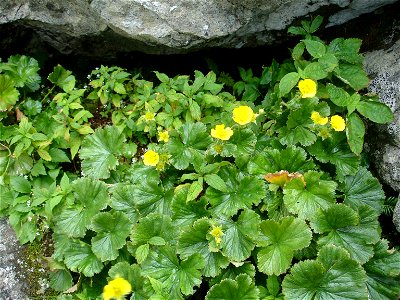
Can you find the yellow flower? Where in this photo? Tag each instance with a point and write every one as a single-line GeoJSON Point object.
{"type": "Point", "coordinates": [151, 158]}
{"type": "Point", "coordinates": [116, 289]}
{"type": "Point", "coordinates": [149, 116]}
{"type": "Point", "coordinates": [318, 119]}
{"type": "Point", "coordinates": [163, 136]}
{"type": "Point", "coordinates": [222, 133]}
{"type": "Point", "coordinates": [217, 233]}
{"type": "Point", "coordinates": [338, 123]}
{"type": "Point", "coordinates": [243, 115]}
{"type": "Point", "coordinates": [308, 88]}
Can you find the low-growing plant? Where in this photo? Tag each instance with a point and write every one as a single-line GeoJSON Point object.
{"type": "Point", "coordinates": [179, 189]}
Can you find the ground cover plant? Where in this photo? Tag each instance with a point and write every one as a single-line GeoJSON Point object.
{"type": "Point", "coordinates": [198, 187]}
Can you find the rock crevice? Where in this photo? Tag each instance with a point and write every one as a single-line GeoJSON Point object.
{"type": "Point", "coordinates": [170, 27]}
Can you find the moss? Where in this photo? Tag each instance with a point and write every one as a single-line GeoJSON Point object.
{"type": "Point", "coordinates": [36, 270]}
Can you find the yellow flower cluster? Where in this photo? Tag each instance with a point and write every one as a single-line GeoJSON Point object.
{"type": "Point", "coordinates": [337, 122]}
{"type": "Point", "coordinates": [151, 158]}
{"type": "Point", "coordinates": [217, 233]}
{"type": "Point", "coordinates": [222, 133]}
{"type": "Point", "coordinates": [116, 289]}
{"type": "Point", "coordinates": [241, 115]}
{"type": "Point", "coordinates": [308, 88]}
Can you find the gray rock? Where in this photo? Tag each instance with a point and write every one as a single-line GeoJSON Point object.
{"type": "Point", "coordinates": [396, 215]}
{"type": "Point", "coordinates": [384, 140]}
{"type": "Point", "coordinates": [12, 280]}
{"type": "Point", "coordinates": [103, 28]}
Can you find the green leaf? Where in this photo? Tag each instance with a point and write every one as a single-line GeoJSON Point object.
{"type": "Point", "coordinates": [122, 200]}
{"type": "Point", "coordinates": [296, 30]}
{"type": "Point", "coordinates": [242, 192]}
{"type": "Point", "coordinates": [24, 71]}
{"type": "Point", "coordinates": [32, 107]}
{"type": "Point", "coordinates": [62, 78]}
{"type": "Point", "coordinates": [305, 200]}
{"type": "Point", "coordinates": [195, 110]}
{"type": "Point", "coordinates": [316, 23]}
{"type": "Point", "coordinates": [194, 240]}
{"type": "Point", "coordinates": [90, 197]}
{"type": "Point", "coordinates": [44, 154]}
{"type": "Point", "coordinates": [336, 151]}
{"type": "Point", "coordinates": [154, 226]}
{"type": "Point", "coordinates": [195, 189]}
{"type": "Point", "coordinates": [298, 134]}
{"type": "Point", "coordinates": [112, 230]}
{"type": "Point", "coordinates": [333, 275]}
{"type": "Point", "coordinates": [288, 82]}
{"type": "Point", "coordinates": [243, 288]}
{"type": "Point", "coordinates": [80, 258]}
{"type": "Point", "coordinates": [273, 285]}
{"type": "Point", "coordinates": [315, 71]}
{"type": "Point", "coordinates": [346, 50]}
{"type": "Point", "coordinates": [338, 95]}
{"type": "Point", "coordinates": [342, 226]}
{"type": "Point", "coordinates": [355, 131]}
{"type": "Point", "coordinates": [57, 155]}
{"type": "Point", "coordinates": [375, 111]}
{"type": "Point", "coordinates": [119, 88]}
{"type": "Point", "coordinates": [177, 277]}
{"type": "Point", "coordinates": [100, 150]}
{"type": "Point", "coordinates": [237, 241]}
{"type": "Point", "coordinates": [215, 182]}
{"type": "Point", "coordinates": [25, 230]}
{"type": "Point", "coordinates": [151, 196]}
{"type": "Point", "coordinates": [291, 159]}
{"type": "Point", "coordinates": [8, 93]}
{"type": "Point", "coordinates": [363, 189]}
{"type": "Point", "coordinates": [212, 100]}
{"type": "Point", "coordinates": [244, 140]}
{"type": "Point", "coordinates": [184, 213]}
{"type": "Point", "coordinates": [232, 271]}
{"type": "Point", "coordinates": [315, 48]}
{"type": "Point", "coordinates": [7, 198]}
{"type": "Point", "coordinates": [142, 252]}
{"type": "Point", "coordinates": [20, 184]}
{"type": "Point", "coordinates": [198, 81]}
{"type": "Point", "coordinates": [160, 293]}
{"type": "Point", "coordinates": [328, 62]}
{"type": "Point", "coordinates": [157, 241]}
{"type": "Point", "coordinates": [60, 280]}
{"type": "Point", "coordinates": [190, 148]}
{"type": "Point", "coordinates": [162, 77]}
{"type": "Point", "coordinates": [383, 273]}
{"type": "Point", "coordinates": [38, 169]}
{"type": "Point", "coordinates": [297, 54]}
{"type": "Point", "coordinates": [353, 75]}
{"type": "Point", "coordinates": [278, 241]}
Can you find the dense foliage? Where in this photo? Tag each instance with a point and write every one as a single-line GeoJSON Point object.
{"type": "Point", "coordinates": [255, 189]}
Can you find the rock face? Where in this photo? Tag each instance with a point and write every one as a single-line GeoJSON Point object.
{"type": "Point", "coordinates": [396, 215]}
{"type": "Point", "coordinates": [12, 283]}
{"type": "Point", "coordinates": [103, 27]}
{"type": "Point", "coordinates": [384, 140]}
